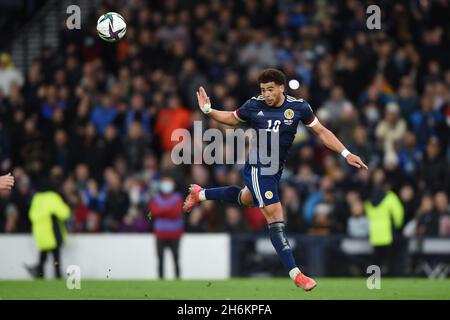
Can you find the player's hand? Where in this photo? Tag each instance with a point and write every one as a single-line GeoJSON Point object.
{"type": "Point", "coordinates": [355, 161]}
{"type": "Point", "coordinates": [6, 182]}
{"type": "Point", "coordinates": [203, 101]}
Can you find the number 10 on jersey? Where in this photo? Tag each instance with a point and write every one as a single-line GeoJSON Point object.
{"type": "Point", "coordinates": [276, 125]}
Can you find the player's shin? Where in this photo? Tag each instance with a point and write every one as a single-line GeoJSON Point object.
{"type": "Point", "coordinates": [229, 194]}
{"type": "Point", "coordinates": [282, 247]}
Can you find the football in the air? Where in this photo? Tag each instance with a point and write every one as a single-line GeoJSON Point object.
{"type": "Point", "coordinates": [111, 27]}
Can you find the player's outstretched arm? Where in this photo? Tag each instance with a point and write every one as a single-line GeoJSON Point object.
{"type": "Point", "coordinates": [225, 117]}
{"type": "Point", "coordinates": [332, 142]}
{"type": "Point", "coordinates": [6, 182]}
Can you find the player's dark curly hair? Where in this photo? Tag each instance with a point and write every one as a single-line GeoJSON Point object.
{"type": "Point", "coordinates": [274, 75]}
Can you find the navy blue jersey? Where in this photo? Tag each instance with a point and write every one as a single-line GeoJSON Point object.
{"type": "Point", "coordinates": [279, 121]}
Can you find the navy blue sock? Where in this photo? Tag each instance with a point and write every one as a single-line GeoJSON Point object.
{"type": "Point", "coordinates": [281, 245]}
{"type": "Point", "coordinates": [227, 194]}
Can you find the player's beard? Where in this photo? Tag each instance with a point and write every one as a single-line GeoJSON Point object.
{"type": "Point", "coordinates": [276, 101]}
{"type": "Point", "coordinates": [271, 102]}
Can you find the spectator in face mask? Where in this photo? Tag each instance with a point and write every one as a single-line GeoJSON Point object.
{"type": "Point", "coordinates": [168, 224]}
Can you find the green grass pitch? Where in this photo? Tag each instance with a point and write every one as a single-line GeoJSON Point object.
{"type": "Point", "coordinates": [234, 289]}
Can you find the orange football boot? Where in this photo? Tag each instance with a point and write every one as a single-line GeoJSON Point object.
{"type": "Point", "coordinates": [193, 198]}
{"type": "Point", "coordinates": [304, 282]}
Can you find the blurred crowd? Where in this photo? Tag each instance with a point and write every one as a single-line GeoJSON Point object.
{"type": "Point", "coordinates": [94, 119]}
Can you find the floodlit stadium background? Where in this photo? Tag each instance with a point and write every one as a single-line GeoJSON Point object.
{"type": "Point", "coordinates": [95, 119]}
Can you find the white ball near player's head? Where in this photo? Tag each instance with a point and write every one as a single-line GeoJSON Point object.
{"type": "Point", "coordinates": [111, 27]}
{"type": "Point", "coordinates": [294, 84]}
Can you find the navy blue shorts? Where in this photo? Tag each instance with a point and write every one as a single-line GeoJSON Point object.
{"type": "Point", "coordinates": [264, 188]}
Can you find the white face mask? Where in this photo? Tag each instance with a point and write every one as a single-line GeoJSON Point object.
{"type": "Point", "coordinates": [372, 114]}
{"type": "Point", "coordinates": [166, 187]}
{"type": "Point", "coordinates": [135, 195]}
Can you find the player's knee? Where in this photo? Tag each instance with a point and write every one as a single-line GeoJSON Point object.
{"type": "Point", "coordinates": [246, 198]}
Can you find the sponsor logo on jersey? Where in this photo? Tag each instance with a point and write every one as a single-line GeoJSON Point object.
{"type": "Point", "coordinates": [260, 113]}
{"type": "Point", "coordinates": [268, 195]}
{"type": "Point", "coordinates": [289, 114]}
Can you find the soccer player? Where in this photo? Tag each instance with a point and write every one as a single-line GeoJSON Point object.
{"type": "Point", "coordinates": [276, 113]}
